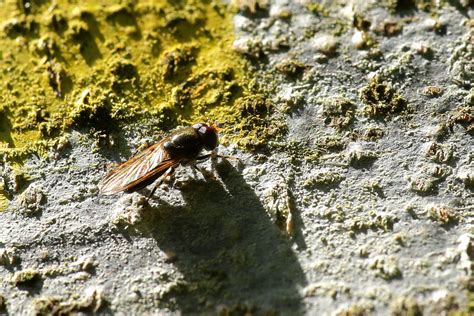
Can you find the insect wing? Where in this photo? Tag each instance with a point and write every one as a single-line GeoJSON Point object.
{"type": "Point", "coordinates": [147, 163]}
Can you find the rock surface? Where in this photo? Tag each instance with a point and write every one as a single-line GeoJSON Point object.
{"type": "Point", "coordinates": [365, 206]}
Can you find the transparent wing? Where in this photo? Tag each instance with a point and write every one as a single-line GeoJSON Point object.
{"type": "Point", "coordinates": [147, 163]}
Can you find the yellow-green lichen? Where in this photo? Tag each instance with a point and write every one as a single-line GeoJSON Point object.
{"type": "Point", "coordinates": [356, 309]}
{"type": "Point", "coordinates": [291, 68]}
{"type": "Point", "coordinates": [3, 196]}
{"type": "Point", "coordinates": [323, 179]}
{"type": "Point", "coordinates": [25, 277]}
{"type": "Point", "coordinates": [171, 59]}
{"type": "Point", "coordinates": [90, 303]}
{"type": "Point", "coordinates": [405, 306]}
{"type": "Point", "coordinates": [386, 267]}
{"type": "Point", "coordinates": [98, 65]}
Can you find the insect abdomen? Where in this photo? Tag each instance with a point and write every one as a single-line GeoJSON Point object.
{"type": "Point", "coordinates": [144, 183]}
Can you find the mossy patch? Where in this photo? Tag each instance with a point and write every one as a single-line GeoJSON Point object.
{"type": "Point", "coordinates": [291, 68]}
{"type": "Point", "coordinates": [318, 9]}
{"type": "Point", "coordinates": [424, 185]}
{"type": "Point", "coordinates": [323, 179]}
{"type": "Point", "coordinates": [338, 111]}
{"type": "Point", "coordinates": [381, 99]}
{"type": "Point", "coordinates": [386, 267]}
{"type": "Point", "coordinates": [403, 6]}
{"type": "Point", "coordinates": [169, 62]}
{"type": "Point", "coordinates": [382, 222]}
{"type": "Point", "coordinates": [464, 116]}
{"type": "Point", "coordinates": [444, 215]}
{"type": "Point", "coordinates": [405, 306]}
{"type": "Point", "coordinates": [90, 303]}
{"type": "Point", "coordinates": [440, 153]}
{"type": "Point", "coordinates": [100, 65]}
{"type": "Point", "coordinates": [26, 277]}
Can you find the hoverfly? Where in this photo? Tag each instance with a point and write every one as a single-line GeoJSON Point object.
{"type": "Point", "coordinates": [160, 160]}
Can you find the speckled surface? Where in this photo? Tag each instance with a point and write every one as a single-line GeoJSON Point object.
{"type": "Point", "coordinates": [364, 206]}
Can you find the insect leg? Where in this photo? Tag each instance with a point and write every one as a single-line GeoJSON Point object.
{"type": "Point", "coordinates": [168, 173]}
{"type": "Point", "coordinates": [228, 157]}
{"type": "Point", "coordinates": [140, 148]}
{"type": "Point", "coordinates": [213, 155]}
{"type": "Point", "coordinates": [206, 174]}
{"type": "Point", "coordinates": [203, 157]}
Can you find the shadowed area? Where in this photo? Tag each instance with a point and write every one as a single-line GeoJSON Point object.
{"type": "Point", "coordinates": [227, 248]}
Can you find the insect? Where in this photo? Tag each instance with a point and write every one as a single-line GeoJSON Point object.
{"type": "Point", "coordinates": [159, 161]}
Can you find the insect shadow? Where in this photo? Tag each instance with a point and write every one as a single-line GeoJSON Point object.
{"type": "Point", "coordinates": [228, 250]}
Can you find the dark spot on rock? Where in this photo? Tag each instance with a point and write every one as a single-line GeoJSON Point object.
{"type": "Point", "coordinates": [124, 70]}
{"type": "Point", "coordinates": [177, 63]}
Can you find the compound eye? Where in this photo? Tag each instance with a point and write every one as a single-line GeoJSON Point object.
{"type": "Point", "coordinates": [202, 130]}
{"type": "Point", "coordinates": [197, 126]}
{"type": "Point", "coordinates": [210, 137]}
{"type": "Point", "coordinates": [168, 145]}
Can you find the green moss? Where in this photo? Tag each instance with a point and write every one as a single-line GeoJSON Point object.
{"type": "Point", "coordinates": [339, 112]}
{"type": "Point", "coordinates": [173, 60]}
{"type": "Point", "coordinates": [252, 120]}
{"type": "Point", "coordinates": [360, 23]}
{"type": "Point", "coordinates": [381, 99]}
{"type": "Point", "coordinates": [441, 172]}
{"type": "Point", "coordinates": [99, 65]}
{"type": "Point", "coordinates": [372, 133]}
{"type": "Point", "coordinates": [318, 9]}
{"type": "Point", "coordinates": [433, 91]}
{"type": "Point", "coordinates": [30, 201]}
{"type": "Point", "coordinates": [291, 68]}
{"type": "Point", "coordinates": [424, 185]}
{"type": "Point", "coordinates": [9, 256]}
{"type": "Point", "coordinates": [47, 305]}
{"type": "Point", "coordinates": [360, 158]}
